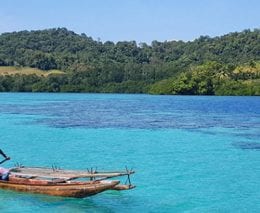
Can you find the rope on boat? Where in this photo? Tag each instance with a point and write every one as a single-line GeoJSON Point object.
{"type": "Point", "coordinates": [128, 176]}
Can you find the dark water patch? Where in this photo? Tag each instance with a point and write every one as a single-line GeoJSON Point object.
{"type": "Point", "coordinates": [251, 136]}
{"type": "Point", "coordinates": [144, 112]}
{"type": "Point", "coordinates": [207, 131]}
{"type": "Point", "coordinates": [247, 145]}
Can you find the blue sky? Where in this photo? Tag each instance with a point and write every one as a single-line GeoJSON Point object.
{"type": "Point", "coordinates": [139, 20]}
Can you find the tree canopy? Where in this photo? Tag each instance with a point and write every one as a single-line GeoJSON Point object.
{"type": "Point", "coordinates": [224, 65]}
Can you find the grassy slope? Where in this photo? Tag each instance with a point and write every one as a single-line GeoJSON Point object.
{"type": "Point", "coordinates": [10, 70]}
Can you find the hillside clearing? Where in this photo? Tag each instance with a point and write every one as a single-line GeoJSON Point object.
{"type": "Point", "coordinates": [11, 70]}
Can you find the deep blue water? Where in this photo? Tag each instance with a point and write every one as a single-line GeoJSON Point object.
{"type": "Point", "coordinates": [191, 154]}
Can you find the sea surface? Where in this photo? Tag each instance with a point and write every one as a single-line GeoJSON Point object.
{"type": "Point", "coordinates": [190, 153]}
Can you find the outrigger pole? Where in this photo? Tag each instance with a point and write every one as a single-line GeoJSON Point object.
{"type": "Point", "coordinates": [5, 156]}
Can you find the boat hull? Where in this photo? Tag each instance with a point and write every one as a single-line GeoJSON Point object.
{"type": "Point", "coordinates": [73, 189]}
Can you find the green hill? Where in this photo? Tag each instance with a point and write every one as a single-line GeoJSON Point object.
{"type": "Point", "coordinates": [230, 63]}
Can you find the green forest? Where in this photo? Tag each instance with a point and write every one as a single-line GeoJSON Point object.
{"type": "Point", "coordinates": [223, 65]}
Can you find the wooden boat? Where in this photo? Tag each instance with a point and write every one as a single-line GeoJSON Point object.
{"type": "Point", "coordinates": [57, 182]}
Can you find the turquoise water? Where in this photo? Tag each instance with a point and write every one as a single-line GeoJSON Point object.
{"type": "Point", "coordinates": [190, 154]}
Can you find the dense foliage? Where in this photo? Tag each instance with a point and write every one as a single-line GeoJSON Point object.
{"type": "Point", "coordinates": [226, 65]}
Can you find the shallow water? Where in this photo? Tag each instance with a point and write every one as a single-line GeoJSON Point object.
{"type": "Point", "coordinates": [191, 154]}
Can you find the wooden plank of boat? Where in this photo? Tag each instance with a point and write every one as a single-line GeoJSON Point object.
{"type": "Point", "coordinates": [82, 172]}
{"type": "Point", "coordinates": [71, 189]}
{"type": "Point", "coordinates": [63, 174]}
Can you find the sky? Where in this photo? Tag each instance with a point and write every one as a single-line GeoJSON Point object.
{"type": "Point", "coordinates": [127, 20]}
